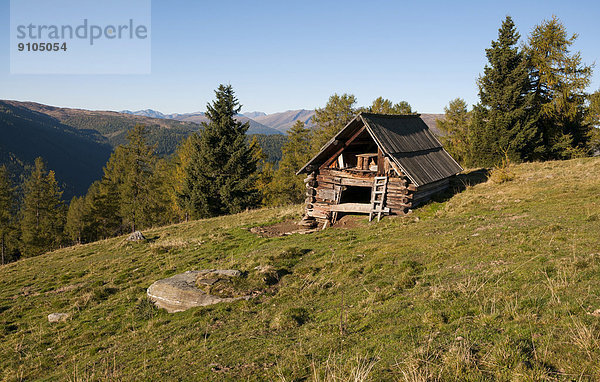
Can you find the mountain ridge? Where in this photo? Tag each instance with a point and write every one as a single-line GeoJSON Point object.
{"type": "Point", "coordinates": [279, 121]}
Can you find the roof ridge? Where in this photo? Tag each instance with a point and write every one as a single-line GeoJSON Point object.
{"type": "Point", "coordinates": [368, 113]}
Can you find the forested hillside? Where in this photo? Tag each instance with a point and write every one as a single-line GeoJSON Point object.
{"type": "Point", "coordinates": [77, 155]}
{"type": "Point", "coordinates": [76, 143]}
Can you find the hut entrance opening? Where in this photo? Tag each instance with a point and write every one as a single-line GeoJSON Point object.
{"type": "Point", "coordinates": [355, 194]}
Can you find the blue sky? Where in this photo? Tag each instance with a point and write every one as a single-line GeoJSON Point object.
{"type": "Point", "coordinates": [282, 55]}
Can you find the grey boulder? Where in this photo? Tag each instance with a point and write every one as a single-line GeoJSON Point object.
{"type": "Point", "coordinates": [180, 292]}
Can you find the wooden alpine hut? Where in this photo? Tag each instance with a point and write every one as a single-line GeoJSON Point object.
{"type": "Point", "coordinates": [377, 164]}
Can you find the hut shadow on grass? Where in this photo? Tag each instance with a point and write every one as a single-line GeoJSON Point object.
{"type": "Point", "coordinates": [461, 182]}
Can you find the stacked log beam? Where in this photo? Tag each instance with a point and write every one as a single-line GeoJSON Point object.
{"type": "Point", "coordinates": [309, 220]}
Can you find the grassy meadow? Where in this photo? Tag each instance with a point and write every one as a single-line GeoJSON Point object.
{"type": "Point", "coordinates": [500, 281]}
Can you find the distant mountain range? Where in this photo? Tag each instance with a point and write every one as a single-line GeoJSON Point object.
{"type": "Point", "coordinates": [263, 123]}
{"type": "Point", "coordinates": [260, 122]}
{"type": "Point", "coordinates": [200, 117]}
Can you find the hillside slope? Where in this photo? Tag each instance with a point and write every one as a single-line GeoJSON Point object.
{"type": "Point", "coordinates": [77, 156]}
{"type": "Point", "coordinates": [498, 282]}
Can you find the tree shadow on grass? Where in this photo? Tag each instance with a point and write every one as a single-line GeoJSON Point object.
{"type": "Point", "coordinates": [461, 182]}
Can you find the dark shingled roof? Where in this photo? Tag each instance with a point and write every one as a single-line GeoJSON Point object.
{"type": "Point", "coordinates": [405, 139]}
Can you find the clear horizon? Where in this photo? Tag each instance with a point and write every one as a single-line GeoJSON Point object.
{"type": "Point", "coordinates": [280, 56]}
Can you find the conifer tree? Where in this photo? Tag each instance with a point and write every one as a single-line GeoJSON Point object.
{"type": "Point", "coordinates": [505, 119]}
{"type": "Point", "coordinates": [385, 106]}
{"type": "Point", "coordinates": [102, 205]}
{"type": "Point", "coordinates": [103, 199]}
{"type": "Point", "coordinates": [330, 119]}
{"type": "Point", "coordinates": [594, 122]}
{"type": "Point", "coordinates": [287, 187]}
{"type": "Point", "coordinates": [75, 223]}
{"type": "Point", "coordinates": [7, 200]}
{"type": "Point", "coordinates": [455, 125]}
{"type": "Point", "coordinates": [160, 210]}
{"type": "Point", "coordinates": [135, 191]}
{"type": "Point", "coordinates": [220, 177]}
{"type": "Point", "coordinates": [560, 80]}
{"type": "Point", "coordinates": [42, 213]}
{"type": "Point", "coordinates": [180, 162]}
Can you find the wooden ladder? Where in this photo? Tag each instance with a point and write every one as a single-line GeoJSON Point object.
{"type": "Point", "coordinates": [378, 197]}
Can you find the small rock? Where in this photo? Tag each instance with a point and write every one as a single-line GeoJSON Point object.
{"type": "Point", "coordinates": [57, 317]}
{"type": "Point", "coordinates": [459, 338]}
{"type": "Point", "coordinates": [596, 313]}
{"type": "Point", "coordinates": [136, 236]}
{"type": "Point", "coordinates": [308, 222]}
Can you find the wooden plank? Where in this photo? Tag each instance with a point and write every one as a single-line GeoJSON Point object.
{"type": "Point", "coordinates": [346, 174]}
{"type": "Point", "coordinates": [357, 182]}
{"type": "Point", "coordinates": [397, 182]}
{"type": "Point", "coordinates": [387, 167]}
{"type": "Point", "coordinates": [316, 214]}
{"type": "Point", "coordinates": [396, 168]}
{"type": "Point", "coordinates": [341, 149]}
{"type": "Point", "coordinates": [396, 200]}
{"type": "Point", "coordinates": [399, 205]}
{"type": "Point", "coordinates": [352, 207]}
{"type": "Point", "coordinates": [326, 194]}
{"type": "Point", "coordinates": [380, 163]}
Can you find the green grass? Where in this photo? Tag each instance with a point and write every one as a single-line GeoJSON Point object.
{"type": "Point", "coordinates": [498, 282]}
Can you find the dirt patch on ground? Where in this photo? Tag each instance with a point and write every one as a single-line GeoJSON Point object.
{"type": "Point", "coordinates": [284, 228]}
{"type": "Point", "coordinates": [349, 221]}
{"type": "Point", "coordinates": [290, 227]}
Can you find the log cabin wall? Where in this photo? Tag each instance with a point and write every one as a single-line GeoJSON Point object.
{"type": "Point", "coordinates": [326, 186]}
{"type": "Point", "coordinates": [398, 147]}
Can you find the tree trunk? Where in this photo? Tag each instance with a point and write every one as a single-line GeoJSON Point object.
{"type": "Point", "coordinates": [3, 248]}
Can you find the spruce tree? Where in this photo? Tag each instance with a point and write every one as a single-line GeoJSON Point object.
{"type": "Point", "coordinates": [560, 80]}
{"type": "Point", "coordinates": [505, 119]}
{"type": "Point", "coordinates": [42, 213]}
{"type": "Point", "coordinates": [287, 187]}
{"type": "Point", "coordinates": [7, 201]}
{"type": "Point", "coordinates": [220, 177]}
